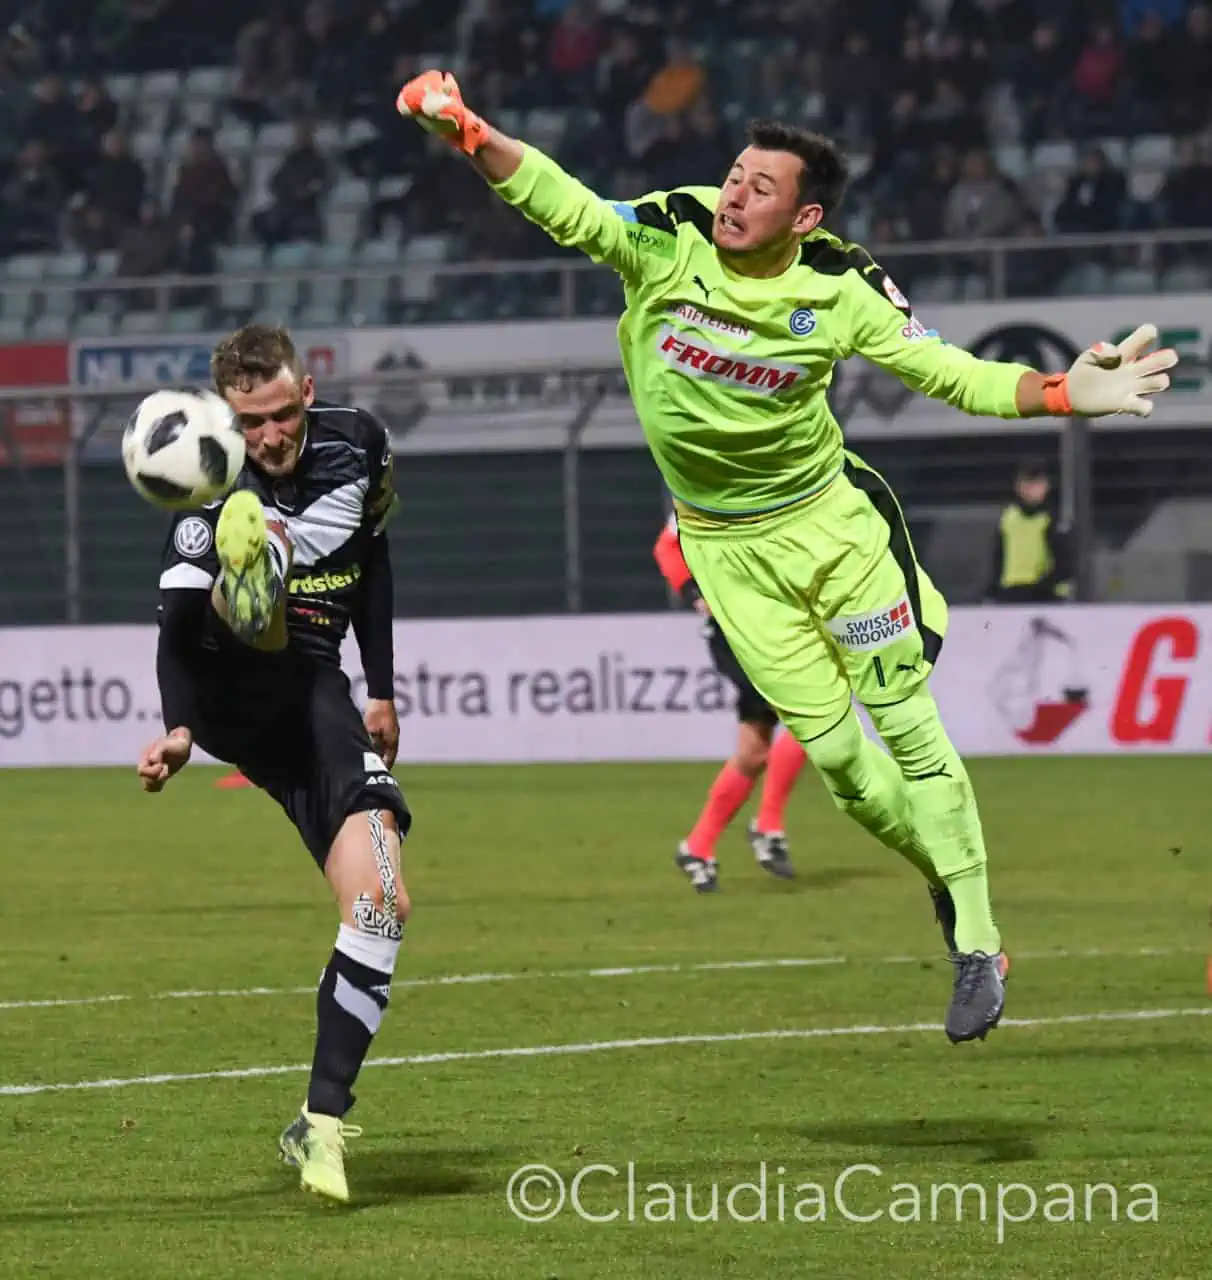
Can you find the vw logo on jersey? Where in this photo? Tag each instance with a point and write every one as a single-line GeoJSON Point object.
{"type": "Point", "coordinates": [193, 537]}
{"type": "Point", "coordinates": [803, 321]}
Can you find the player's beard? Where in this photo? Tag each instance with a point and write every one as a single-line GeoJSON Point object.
{"type": "Point", "coordinates": [282, 460]}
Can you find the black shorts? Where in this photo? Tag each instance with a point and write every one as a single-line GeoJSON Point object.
{"type": "Point", "coordinates": [751, 707]}
{"type": "Point", "coordinates": [312, 754]}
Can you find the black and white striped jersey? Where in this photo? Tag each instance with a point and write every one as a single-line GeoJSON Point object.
{"type": "Point", "coordinates": [334, 506]}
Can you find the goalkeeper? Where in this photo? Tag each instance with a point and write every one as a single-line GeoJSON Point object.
{"type": "Point", "coordinates": [738, 305]}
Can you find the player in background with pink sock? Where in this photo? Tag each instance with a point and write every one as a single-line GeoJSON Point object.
{"type": "Point", "coordinates": [760, 749]}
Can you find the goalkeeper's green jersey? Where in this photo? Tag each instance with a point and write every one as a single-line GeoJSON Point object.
{"type": "Point", "coordinates": [729, 373]}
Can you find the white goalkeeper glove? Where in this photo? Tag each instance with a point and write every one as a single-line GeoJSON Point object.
{"type": "Point", "coordinates": [1107, 379]}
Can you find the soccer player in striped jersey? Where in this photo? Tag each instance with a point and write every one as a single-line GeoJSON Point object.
{"type": "Point", "coordinates": [761, 750]}
{"type": "Point", "coordinates": [738, 304]}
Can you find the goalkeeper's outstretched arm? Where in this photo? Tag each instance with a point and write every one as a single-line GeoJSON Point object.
{"type": "Point", "coordinates": [532, 182]}
{"type": "Point", "coordinates": [1104, 379]}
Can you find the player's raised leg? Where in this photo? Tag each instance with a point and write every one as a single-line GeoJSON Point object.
{"type": "Point", "coordinates": [888, 621]}
{"type": "Point", "coordinates": [363, 869]}
{"type": "Point", "coordinates": [756, 581]}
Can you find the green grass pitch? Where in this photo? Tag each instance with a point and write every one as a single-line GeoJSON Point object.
{"type": "Point", "coordinates": [538, 879]}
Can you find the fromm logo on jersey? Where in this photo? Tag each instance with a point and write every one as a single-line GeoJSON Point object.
{"type": "Point", "coordinates": [766, 377]}
{"type": "Point", "coordinates": [874, 630]}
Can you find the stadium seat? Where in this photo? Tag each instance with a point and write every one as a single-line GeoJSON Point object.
{"type": "Point", "coordinates": [234, 139]}
{"type": "Point", "coordinates": [1055, 156]}
{"type": "Point", "coordinates": [94, 324]}
{"type": "Point", "coordinates": [198, 113]}
{"type": "Point", "coordinates": [435, 248]}
{"type": "Point", "coordinates": [328, 291]}
{"type": "Point", "coordinates": [1084, 279]}
{"type": "Point", "coordinates": [937, 289]}
{"type": "Point", "coordinates": [1188, 278]}
{"type": "Point", "coordinates": [417, 286]}
{"type": "Point", "coordinates": [1151, 151]}
{"type": "Point", "coordinates": [256, 193]}
{"type": "Point", "coordinates": [26, 266]}
{"type": "Point", "coordinates": [66, 266]}
{"type": "Point", "coordinates": [1012, 160]}
{"type": "Point", "coordinates": [50, 327]}
{"type": "Point", "coordinates": [1115, 149]}
{"type": "Point", "coordinates": [279, 299]}
{"type": "Point", "coordinates": [275, 139]}
{"type": "Point", "coordinates": [165, 85]}
{"type": "Point", "coordinates": [368, 313]}
{"type": "Point", "coordinates": [359, 132]}
{"type": "Point", "coordinates": [342, 226]}
{"type": "Point", "coordinates": [378, 253]}
{"type": "Point", "coordinates": [240, 258]}
{"type": "Point", "coordinates": [124, 88]}
{"type": "Point", "coordinates": [350, 193]}
{"type": "Point", "coordinates": [1132, 280]}
{"type": "Point", "coordinates": [16, 304]}
{"type": "Point", "coordinates": [291, 256]}
{"type": "Point", "coordinates": [320, 314]}
{"type": "Point", "coordinates": [58, 302]}
{"type": "Point", "coordinates": [1145, 184]}
{"type": "Point", "coordinates": [328, 136]}
{"type": "Point", "coordinates": [208, 82]}
{"type": "Point", "coordinates": [394, 188]}
{"type": "Point", "coordinates": [187, 320]}
{"type": "Point", "coordinates": [151, 116]}
{"type": "Point", "coordinates": [147, 147]}
{"type": "Point", "coordinates": [239, 295]}
{"type": "Point", "coordinates": [141, 323]}
{"type": "Point", "coordinates": [332, 255]}
{"type": "Point", "coordinates": [370, 296]}
{"type": "Point", "coordinates": [545, 128]}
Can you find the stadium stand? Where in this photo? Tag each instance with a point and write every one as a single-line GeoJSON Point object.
{"type": "Point", "coordinates": [173, 136]}
{"type": "Point", "coordinates": [251, 156]}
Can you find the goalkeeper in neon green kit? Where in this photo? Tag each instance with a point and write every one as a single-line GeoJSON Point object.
{"type": "Point", "coordinates": [738, 305]}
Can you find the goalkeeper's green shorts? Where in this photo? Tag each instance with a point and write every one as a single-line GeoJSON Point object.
{"type": "Point", "coordinates": [822, 601]}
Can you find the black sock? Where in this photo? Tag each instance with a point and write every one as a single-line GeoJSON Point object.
{"type": "Point", "coordinates": [349, 1007]}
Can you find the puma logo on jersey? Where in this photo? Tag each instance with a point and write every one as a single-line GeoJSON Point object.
{"type": "Point", "coordinates": [766, 377]}
{"type": "Point", "coordinates": [706, 292]}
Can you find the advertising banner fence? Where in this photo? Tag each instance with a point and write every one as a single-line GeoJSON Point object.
{"type": "Point", "coordinates": [530, 410]}
{"type": "Point", "coordinates": [1067, 680]}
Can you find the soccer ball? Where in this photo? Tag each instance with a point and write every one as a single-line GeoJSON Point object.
{"type": "Point", "coordinates": [182, 449]}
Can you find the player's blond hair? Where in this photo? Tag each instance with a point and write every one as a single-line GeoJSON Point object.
{"type": "Point", "coordinates": [257, 353]}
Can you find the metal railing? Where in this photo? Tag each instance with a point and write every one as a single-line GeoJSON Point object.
{"type": "Point", "coordinates": [563, 469]}
{"type": "Point", "coordinates": [1003, 268]}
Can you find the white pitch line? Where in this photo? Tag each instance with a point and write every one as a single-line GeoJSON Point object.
{"type": "Point", "coordinates": [618, 971]}
{"type": "Point", "coordinates": [599, 1046]}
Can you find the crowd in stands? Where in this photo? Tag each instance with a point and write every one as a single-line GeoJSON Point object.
{"type": "Point", "coordinates": [654, 93]}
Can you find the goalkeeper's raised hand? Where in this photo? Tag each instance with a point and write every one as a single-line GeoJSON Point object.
{"type": "Point", "coordinates": [1107, 379]}
{"type": "Point", "coordinates": [434, 101]}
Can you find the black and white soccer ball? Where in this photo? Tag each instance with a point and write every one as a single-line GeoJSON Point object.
{"type": "Point", "coordinates": [182, 449]}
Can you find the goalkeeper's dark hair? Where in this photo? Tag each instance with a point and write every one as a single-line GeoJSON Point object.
{"type": "Point", "coordinates": [257, 353]}
{"type": "Point", "coordinates": [825, 173]}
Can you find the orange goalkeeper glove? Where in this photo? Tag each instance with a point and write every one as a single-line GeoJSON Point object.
{"type": "Point", "coordinates": [434, 101]}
